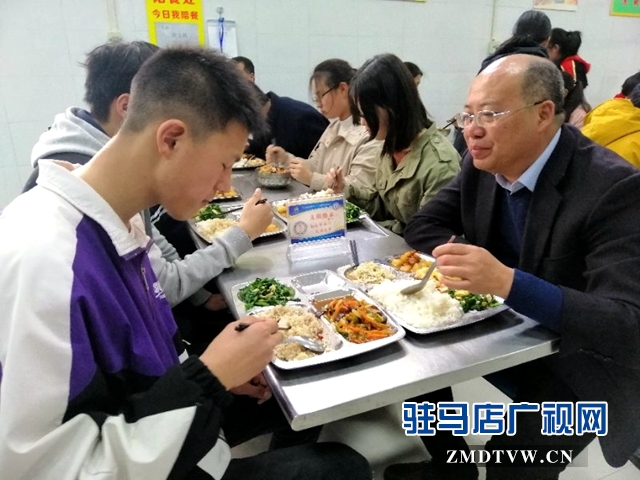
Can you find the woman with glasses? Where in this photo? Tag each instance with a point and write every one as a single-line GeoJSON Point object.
{"type": "Point", "coordinates": [417, 160]}
{"type": "Point", "coordinates": [344, 144]}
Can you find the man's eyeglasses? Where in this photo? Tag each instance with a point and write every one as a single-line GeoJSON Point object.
{"type": "Point", "coordinates": [486, 117]}
{"type": "Point", "coordinates": [317, 99]}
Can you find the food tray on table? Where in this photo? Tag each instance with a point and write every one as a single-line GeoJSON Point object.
{"type": "Point", "coordinates": [248, 162]}
{"type": "Point", "coordinates": [205, 229]}
{"type": "Point", "coordinates": [444, 308]}
{"type": "Point", "coordinates": [232, 194]}
{"type": "Point", "coordinates": [353, 213]}
{"type": "Point", "coordinates": [313, 291]}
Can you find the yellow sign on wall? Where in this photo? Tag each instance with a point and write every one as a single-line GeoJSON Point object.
{"type": "Point", "coordinates": [175, 21]}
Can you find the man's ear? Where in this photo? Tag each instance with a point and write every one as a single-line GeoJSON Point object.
{"type": "Point", "coordinates": [122, 105]}
{"type": "Point", "coordinates": [546, 113]}
{"type": "Point", "coordinates": [169, 137]}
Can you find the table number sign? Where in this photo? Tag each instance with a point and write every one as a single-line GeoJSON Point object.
{"type": "Point", "coordinates": [316, 219]}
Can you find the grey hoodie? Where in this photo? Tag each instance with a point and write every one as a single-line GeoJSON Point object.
{"type": "Point", "coordinates": [71, 136]}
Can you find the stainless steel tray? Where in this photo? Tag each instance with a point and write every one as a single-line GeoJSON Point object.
{"type": "Point", "coordinates": [365, 287]}
{"type": "Point", "coordinates": [221, 198]}
{"type": "Point", "coordinates": [466, 319]}
{"type": "Point", "coordinates": [322, 285]}
{"type": "Point", "coordinates": [242, 164]}
{"type": "Point", "coordinates": [351, 349]}
{"type": "Point", "coordinates": [330, 339]}
{"type": "Point", "coordinates": [282, 227]}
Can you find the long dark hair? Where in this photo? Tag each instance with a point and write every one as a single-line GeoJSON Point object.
{"type": "Point", "coordinates": [384, 81]}
{"type": "Point", "coordinates": [569, 42]}
{"type": "Point", "coordinates": [333, 72]}
{"type": "Point", "coordinates": [574, 97]}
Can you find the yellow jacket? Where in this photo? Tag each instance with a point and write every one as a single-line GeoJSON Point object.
{"type": "Point", "coordinates": [615, 124]}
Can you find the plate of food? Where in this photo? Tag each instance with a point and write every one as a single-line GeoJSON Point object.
{"type": "Point", "coordinates": [228, 195]}
{"type": "Point", "coordinates": [433, 309]}
{"type": "Point", "coordinates": [211, 221]}
{"type": "Point", "coordinates": [297, 319]}
{"type": "Point", "coordinates": [248, 162]}
{"type": "Point", "coordinates": [262, 292]}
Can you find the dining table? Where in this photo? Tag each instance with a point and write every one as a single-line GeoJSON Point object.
{"type": "Point", "coordinates": [414, 365]}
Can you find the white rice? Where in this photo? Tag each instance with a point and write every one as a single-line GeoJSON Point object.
{"type": "Point", "coordinates": [426, 309]}
{"type": "Point", "coordinates": [215, 226]}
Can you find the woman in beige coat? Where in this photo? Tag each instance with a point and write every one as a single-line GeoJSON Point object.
{"type": "Point", "coordinates": [344, 144]}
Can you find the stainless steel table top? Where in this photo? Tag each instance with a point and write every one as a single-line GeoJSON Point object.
{"type": "Point", "coordinates": [416, 364]}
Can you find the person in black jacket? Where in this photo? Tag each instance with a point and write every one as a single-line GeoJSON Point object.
{"type": "Point", "coordinates": [546, 219]}
{"type": "Point", "coordinates": [293, 125]}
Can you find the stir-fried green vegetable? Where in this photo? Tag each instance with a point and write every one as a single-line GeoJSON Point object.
{"type": "Point", "coordinates": [352, 212]}
{"type": "Point", "coordinates": [471, 301]}
{"type": "Point", "coordinates": [210, 211]}
{"type": "Point", "coordinates": [263, 292]}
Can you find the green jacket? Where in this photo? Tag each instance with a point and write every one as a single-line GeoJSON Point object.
{"type": "Point", "coordinates": [399, 192]}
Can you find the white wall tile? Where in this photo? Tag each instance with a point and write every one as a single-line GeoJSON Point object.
{"type": "Point", "coordinates": [324, 47]}
{"type": "Point", "coordinates": [282, 53]}
{"type": "Point", "coordinates": [334, 17]}
{"type": "Point", "coordinates": [283, 17]}
{"type": "Point", "coordinates": [382, 18]}
{"type": "Point", "coordinates": [30, 51]}
{"type": "Point", "coordinates": [7, 155]}
{"type": "Point", "coordinates": [10, 185]}
{"type": "Point", "coordinates": [29, 98]}
{"type": "Point", "coordinates": [81, 15]}
{"type": "Point", "coordinates": [371, 46]}
{"type": "Point", "coordinates": [24, 136]}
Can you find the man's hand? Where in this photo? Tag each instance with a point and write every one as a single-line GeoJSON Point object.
{"type": "Point", "coordinates": [467, 267]}
{"type": "Point", "coordinates": [257, 387]}
{"type": "Point", "coordinates": [255, 219]}
{"type": "Point", "coordinates": [215, 303]}
{"type": "Point", "coordinates": [300, 171]}
{"type": "Point", "coordinates": [276, 155]}
{"type": "Point", "coordinates": [334, 180]}
{"type": "Point", "coordinates": [237, 357]}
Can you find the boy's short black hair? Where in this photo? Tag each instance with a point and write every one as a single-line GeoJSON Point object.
{"type": "Point", "coordinates": [384, 81]}
{"type": "Point", "coordinates": [110, 69]}
{"type": "Point", "coordinates": [534, 24]}
{"type": "Point", "coordinates": [246, 63]}
{"type": "Point", "coordinates": [196, 85]}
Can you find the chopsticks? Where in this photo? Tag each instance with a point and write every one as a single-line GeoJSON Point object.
{"type": "Point", "coordinates": [243, 326]}
{"type": "Point", "coordinates": [235, 209]}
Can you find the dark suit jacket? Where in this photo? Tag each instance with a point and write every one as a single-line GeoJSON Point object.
{"type": "Point", "coordinates": [296, 126]}
{"type": "Point", "coordinates": [583, 234]}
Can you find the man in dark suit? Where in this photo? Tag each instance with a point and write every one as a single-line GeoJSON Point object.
{"type": "Point", "coordinates": [293, 125]}
{"type": "Point", "coordinates": [549, 221]}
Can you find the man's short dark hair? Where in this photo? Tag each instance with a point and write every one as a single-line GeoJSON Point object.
{"type": "Point", "coordinates": [110, 69]}
{"type": "Point", "coordinates": [542, 80]}
{"type": "Point", "coordinates": [246, 64]}
{"type": "Point", "coordinates": [384, 81]}
{"type": "Point", "coordinates": [196, 85]}
{"type": "Point", "coordinates": [535, 24]}
{"type": "Point", "coordinates": [630, 83]}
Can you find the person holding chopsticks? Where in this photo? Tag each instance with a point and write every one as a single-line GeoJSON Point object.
{"type": "Point", "coordinates": [344, 144]}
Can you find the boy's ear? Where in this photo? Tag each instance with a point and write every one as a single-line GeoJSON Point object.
{"type": "Point", "coordinates": [122, 104]}
{"type": "Point", "coordinates": [169, 135]}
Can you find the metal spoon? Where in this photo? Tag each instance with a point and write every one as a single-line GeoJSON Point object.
{"type": "Point", "coordinates": [306, 342]}
{"type": "Point", "coordinates": [416, 287]}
